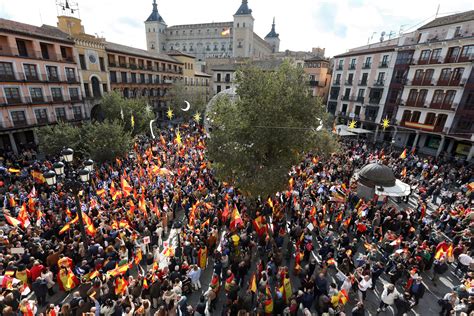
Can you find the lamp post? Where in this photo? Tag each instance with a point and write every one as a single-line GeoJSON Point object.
{"type": "Point", "coordinates": [73, 181]}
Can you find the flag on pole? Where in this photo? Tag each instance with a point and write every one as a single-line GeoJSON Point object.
{"type": "Point", "coordinates": [403, 155]}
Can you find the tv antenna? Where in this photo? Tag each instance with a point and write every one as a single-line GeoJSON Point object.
{"type": "Point", "coordinates": [371, 37]}
{"type": "Point", "coordinates": [67, 8]}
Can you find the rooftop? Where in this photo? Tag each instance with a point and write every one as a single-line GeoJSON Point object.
{"type": "Point", "coordinates": [155, 16]}
{"type": "Point", "coordinates": [45, 31]}
{"type": "Point", "coordinates": [380, 49]}
{"type": "Point", "coordinates": [128, 50]}
{"type": "Point", "coordinates": [450, 19]}
{"type": "Point", "coordinates": [244, 9]}
{"type": "Point", "coordinates": [179, 53]}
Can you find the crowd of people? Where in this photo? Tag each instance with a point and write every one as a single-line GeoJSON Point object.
{"type": "Point", "coordinates": [164, 237]}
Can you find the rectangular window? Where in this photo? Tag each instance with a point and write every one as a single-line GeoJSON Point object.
{"type": "Point", "coordinates": [52, 72]}
{"type": "Point", "coordinates": [457, 75]}
{"type": "Point", "coordinates": [71, 75]}
{"type": "Point", "coordinates": [30, 72]}
{"type": "Point", "coordinates": [77, 110]}
{"type": "Point", "coordinates": [18, 118]}
{"type": "Point", "coordinates": [364, 78]}
{"type": "Point", "coordinates": [415, 117]}
{"type": "Point", "coordinates": [357, 110]}
{"type": "Point", "coordinates": [430, 119]}
{"type": "Point", "coordinates": [101, 63]}
{"type": "Point", "coordinates": [134, 77]}
{"type": "Point", "coordinates": [74, 94]}
{"type": "Point", "coordinates": [124, 77]}
{"type": "Point", "coordinates": [452, 55]}
{"type": "Point", "coordinates": [449, 97]}
{"type": "Point", "coordinates": [425, 55]}
{"type": "Point", "coordinates": [350, 78]}
{"type": "Point", "coordinates": [428, 76]}
{"type": "Point", "coordinates": [422, 97]}
{"type": "Point", "coordinates": [467, 52]}
{"type": "Point", "coordinates": [381, 77]}
{"type": "Point", "coordinates": [435, 56]}
{"type": "Point", "coordinates": [438, 97]}
{"type": "Point", "coordinates": [41, 116]}
{"type": "Point", "coordinates": [445, 75]}
{"type": "Point", "coordinates": [56, 94]}
{"type": "Point", "coordinates": [60, 114]}
{"type": "Point", "coordinates": [44, 50]}
{"type": "Point", "coordinates": [87, 90]}
{"type": "Point", "coordinates": [22, 50]}
{"type": "Point", "coordinates": [6, 71]}
{"type": "Point", "coordinates": [418, 75]}
{"type": "Point", "coordinates": [142, 78]}
{"type": "Point", "coordinates": [36, 95]}
{"type": "Point", "coordinates": [12, 95]}
{"type": "Point", "coordinates": [82, 61]}
{"type": "Point", "coordinates": [113, 77]}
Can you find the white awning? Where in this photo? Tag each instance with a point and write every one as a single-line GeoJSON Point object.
{"type": "Point", "coordinates": [342, 130]}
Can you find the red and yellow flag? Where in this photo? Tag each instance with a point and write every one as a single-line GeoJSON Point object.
{"type": "Point", "coordinates": [403, 155]}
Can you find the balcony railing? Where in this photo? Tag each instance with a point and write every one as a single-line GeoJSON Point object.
{"type": "Point", "coordinates": [362, 82]}
{"type": "Point", "coordinates": [7, 78]}
{"type": "Point", "coordinates": [383, 64]}
{"type": "Point", "coordinates": [360, 99]}
{"type": "Point", "coordinates": [441, 106]}
{"type": "Point", "coordinates": [349, 82]}
{"type": "Point", "coordinates": [366, 65]}
{"type": "Point", "coordinates": [13, 52]}
{"type": "Point", "coordinates": [352, 66]}
{"type": "Point", "coordinates": [333, 96]}
{"type": "Point", "coordinates": [339, 67]}
{"type": "Point", "coordinates": [415, 103]}
{"type": "Point", "coordinates": [336, 83]}
{"type": "Point", "coordinates": [345, 97]}
{"type": "Point", "coordinates": [379, 83]}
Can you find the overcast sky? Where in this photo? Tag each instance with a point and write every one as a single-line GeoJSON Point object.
{"type": "Point", "coordinates": [336, 25]}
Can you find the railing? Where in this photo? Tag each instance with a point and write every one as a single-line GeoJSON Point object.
{"type": "Point", "coordinates": [13, 52]}
{"type": "Point", "coordinates": [362, 82]}
{"type": "Point", "coordinates": [349, 82]}
{"type": "Point", "coordinates": [415, 103]}
{"type": "Point", "coordinates": [360, 99]}
{"type": "Point", "coordinates": [383, 64]}
{"type": "Point", "coordinates": [345, 97]}
{"type": "Point", "coordinates": [379, 83]}
{"type": "Point", "coordinates": [339, 67]}
{"type": "Point", "coordinates": [423, 61]}
{"type": "Point", "coordinates": [441, 106]}
{"type": "Point", "coordinates": [374, 101]}
{"type": "Point", "coordinates": [336, 83]}
{"type": "Point", "coordinates": [352, 66]}
{"type": "Point", "coordinates": [333, 97]}
{"type": "Point", "coordinates": [366, 65]}
{"type": "Point", "coordinates": [437, 60]}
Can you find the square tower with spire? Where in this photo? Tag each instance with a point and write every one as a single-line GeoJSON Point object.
{"type": "Point", "coordinates": [155, 28]}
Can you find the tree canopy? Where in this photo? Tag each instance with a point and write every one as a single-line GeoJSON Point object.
{"type": "Point", "coordinates": [271, 127]}
{"type": "Point", "coordinates": [116, 108]}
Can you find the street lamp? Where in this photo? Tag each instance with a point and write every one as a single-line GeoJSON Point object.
{"type": "Point", "coordinates": [73, 181]}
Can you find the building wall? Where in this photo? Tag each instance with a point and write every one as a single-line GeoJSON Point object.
{"type": "Point", "coordinates": [141, 76]}
{"type": "Point", "coordinates": [23, 92]}
{"type": "Point", "coordinates": [358, 99]}
{"type": "Point", "coordinates": [319, 78]}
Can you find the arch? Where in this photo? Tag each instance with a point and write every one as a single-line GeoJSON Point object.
{"type": "Point", "coordinates": [96, 86]}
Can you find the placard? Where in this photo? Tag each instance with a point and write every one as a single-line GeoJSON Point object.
{"type": "Point", "coordinates": [146, 240]}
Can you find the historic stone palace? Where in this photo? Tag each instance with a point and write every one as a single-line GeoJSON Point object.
{"type": "Point", "coordinates": [211, 40]}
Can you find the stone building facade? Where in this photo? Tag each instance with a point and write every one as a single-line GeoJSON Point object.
{"type": "Point", "coordinates": [211, 40]}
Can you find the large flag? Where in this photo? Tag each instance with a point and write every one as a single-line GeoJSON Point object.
{"type": "Point", "coordinates": [12, 220]}
{"type": "Point", "coordinates": [23, 216]}
{"type": "Point", "coordinates": [90, 229]}
{"type": "Point", "coordinates": [226, 32]}
{"type": "Point", "coordinates": [120, 286]}
{"type": "Point", "coordinates": [236, 220]}
{"type": "Point", "coordinates": [126, 188]}
{"type": "Point", "coordinates": [259, 225]}
{"type": "Point", "coordinates": [38, 177]}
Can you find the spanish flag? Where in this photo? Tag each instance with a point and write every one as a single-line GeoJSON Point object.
{"type": "Point", "coordinates": [339, 217]}
{"type": "Point", "coordinates": [206, 223]}
{"type": "Point", "coordinates": [12, 221]}
{"type": "Point", "coordinates": [65, 229]}
{"type": "Point", "coordinates": [344, 297]}
{"type": "Point", "coordinates": [259, 225]}
{"type": "Point", "coordinates": [120, 286]}
{"type": "Point", "coordinates": [403, 155]}
{"type": "Point", "coordinates": [235, 218]}
{"type": "Point", "coordinates": [126, 188]}
{"type": "Point", "coordinates": [138, 257]}
{"type": "Point", "coordinates": [38, 177]}
{"type": "Point", "coordinates": [226, 32]}
{"type": "Point", "coordinates": [145, 284]}
{"type": "Point", "coordinates": [440, 253]}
